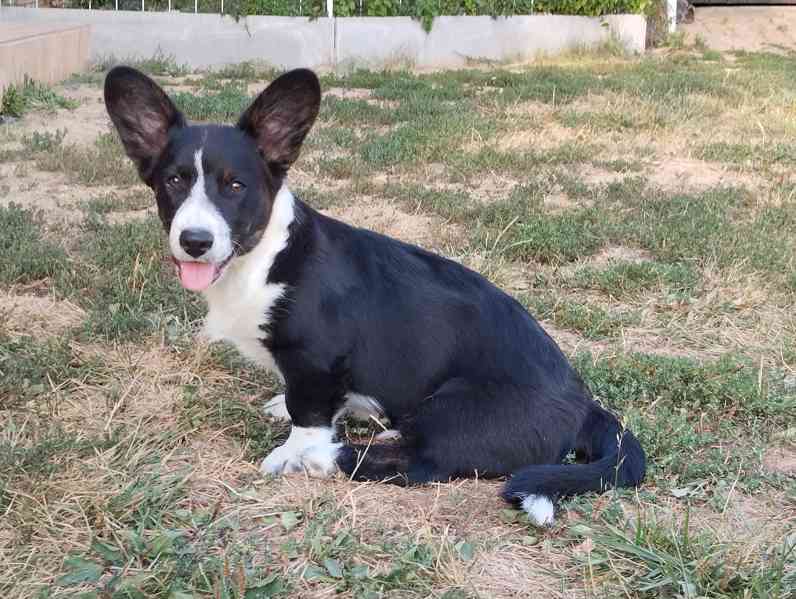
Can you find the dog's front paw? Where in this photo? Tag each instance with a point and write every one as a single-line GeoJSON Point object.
{"type": "Point", "coordinates": [309, 450]}
{"type": "Point", "coordinates": [276, 407]}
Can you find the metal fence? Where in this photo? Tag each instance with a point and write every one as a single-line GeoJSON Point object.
{"type": "Point", "coordinates": [290, 8]}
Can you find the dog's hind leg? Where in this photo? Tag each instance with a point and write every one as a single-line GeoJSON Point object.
{"type": "Point", "coordinates": [449, 436]}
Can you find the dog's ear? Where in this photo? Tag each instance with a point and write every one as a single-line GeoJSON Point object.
{"type": "Point", "coordinates": [281, 116]}
{"type": "Point", "coordinates": [143, 115]}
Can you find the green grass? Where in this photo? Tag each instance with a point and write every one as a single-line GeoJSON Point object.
{"type": "Point", "coordinates": [699, 422]}
{"type": "Point", "coordinates": [133, 289]}
{"type": "Point", "coordinates": [27, 256]}
{"type": "Point", "coordinates": [754, 155]}
{"type": "Point", "coordinates": [592, 322]}
{"type": "Point", "coordinates": [622, 279]}
{"type": "Point", "coordinates": [34, 368]}
{"type": "Point", "coordinates": [113, 202]}
{"type": "Point", "coordinates": [660, 556]}
{"type": "Point", "coordinates": [223, 105]}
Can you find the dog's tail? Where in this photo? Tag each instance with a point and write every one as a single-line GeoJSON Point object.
{"type": "Point", "coordinates": [614, 458]}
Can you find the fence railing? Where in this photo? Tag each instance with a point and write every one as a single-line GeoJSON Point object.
{"type": "Point", "coordinates": [292, 8]}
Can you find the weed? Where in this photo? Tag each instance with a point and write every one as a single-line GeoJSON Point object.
{"type": "Point", "coordinates": [44, 142]}
{"type": "Point", "coordinates": [31, 95]}
{"type": "Point", "coordinates": [160, 64]}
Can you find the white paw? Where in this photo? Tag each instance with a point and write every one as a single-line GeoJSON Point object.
{"type": "Point", "coordinates": [309, 450]}
{"type": "Point", "coordinates": [276, 407]}
{"type": "Point", "coordinates": [540, 510]}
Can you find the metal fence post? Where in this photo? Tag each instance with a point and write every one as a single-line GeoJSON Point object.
{"type": "Point", "coordinates": [117, 4]}
{"type": "Point", "coordinates": [671, 9]}
{"type": "Point", "coordinates": [142, 6]}
{"type": "Point", "coordinates": [330, 8]}
{"type": "Point", "coordinates": [195, 6]}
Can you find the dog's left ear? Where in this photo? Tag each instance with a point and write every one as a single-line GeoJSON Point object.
{"type": "Point", "coordinates": [281, 116]}
{"type": "Point", "coordinates": [143, 115]}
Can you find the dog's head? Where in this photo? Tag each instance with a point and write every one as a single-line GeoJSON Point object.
{"type": "Point", "coordinates": [215, 185]}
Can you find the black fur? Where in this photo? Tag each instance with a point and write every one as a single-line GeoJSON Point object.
{"type": "Point", "coordinates": [473, 383]}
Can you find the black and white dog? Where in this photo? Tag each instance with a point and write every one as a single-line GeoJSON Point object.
{"type": "Point", "coordinates": [357, 322]}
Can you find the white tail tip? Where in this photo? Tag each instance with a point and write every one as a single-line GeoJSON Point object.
{"type": "Point", "coordinates": [539, 509]}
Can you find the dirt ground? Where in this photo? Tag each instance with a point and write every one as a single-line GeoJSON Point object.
{"type": "Point", "coordinates": [751, 28]}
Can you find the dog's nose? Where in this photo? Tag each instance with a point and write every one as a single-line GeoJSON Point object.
{"type": "Point", "coordinates": [196, 242]}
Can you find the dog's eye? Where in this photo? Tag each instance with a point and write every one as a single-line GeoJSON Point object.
{"type": "Point", "coordinates": [237, 186]}
{"type": "Point", "coordinates": [173, 180]}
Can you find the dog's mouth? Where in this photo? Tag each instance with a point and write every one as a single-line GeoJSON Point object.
{"type": "Point", "coordinates": [198, 276]}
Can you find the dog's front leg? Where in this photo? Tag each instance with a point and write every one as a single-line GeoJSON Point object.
{"type": "Point", "coordinates": [311, 446]}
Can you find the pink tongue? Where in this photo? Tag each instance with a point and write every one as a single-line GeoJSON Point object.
{"type": "Point", "coordinates": [196, 276]}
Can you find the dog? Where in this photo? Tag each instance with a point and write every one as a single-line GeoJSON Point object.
{"type": "Point", "coordinates": [358, 323]}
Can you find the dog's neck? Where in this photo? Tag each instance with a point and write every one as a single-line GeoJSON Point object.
{"type": "Point", "coordinates": [248, 274]}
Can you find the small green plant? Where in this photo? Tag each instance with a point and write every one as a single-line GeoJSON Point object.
{"type": "Point", "coordinates": [13, 103]}
{"type": "Point", "coordinates": [44, 142]}
{"type": "Point", "coordinates": [31, 95]}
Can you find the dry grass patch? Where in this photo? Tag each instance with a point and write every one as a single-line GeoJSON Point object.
{"type": "Point", "coordinates": [37, 315]}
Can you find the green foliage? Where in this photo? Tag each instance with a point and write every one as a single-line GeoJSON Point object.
{"type": "Point", "coordinates": [30, 95]}
{"type": "Point", "coordinates": [13, 103]}
{"type": "Point", "coordinates": [426, 10]}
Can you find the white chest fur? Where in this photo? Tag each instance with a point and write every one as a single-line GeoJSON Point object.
{"type": "Point", "coordinates": [240, 302]}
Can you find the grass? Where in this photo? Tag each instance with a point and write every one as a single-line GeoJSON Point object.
{"type": "Point", "coordinates": [133, 291]}
{"type": "Point", "coordinates": [665, 556]}
{"type": "Point", "coordinates": [129, 449]}
{"type": "Point", "coordinates": [28, 256]}
{"type": "Point", "coordinates": [102, 164]}
{"type": "Point", "coordinates": [222, 105]}
{"type": "Point", "coordinates": [621, 279]}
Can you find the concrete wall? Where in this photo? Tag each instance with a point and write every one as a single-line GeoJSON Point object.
{"type": "Point", "coordinates": [45, 52]}
{"type": "Point", "coordinates": [207, 40]}
{"type": "Point", "coordinates": [457, 41]}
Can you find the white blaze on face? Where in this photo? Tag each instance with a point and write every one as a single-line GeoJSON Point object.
{"type": "Point", "coordinates": [198, 212]}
